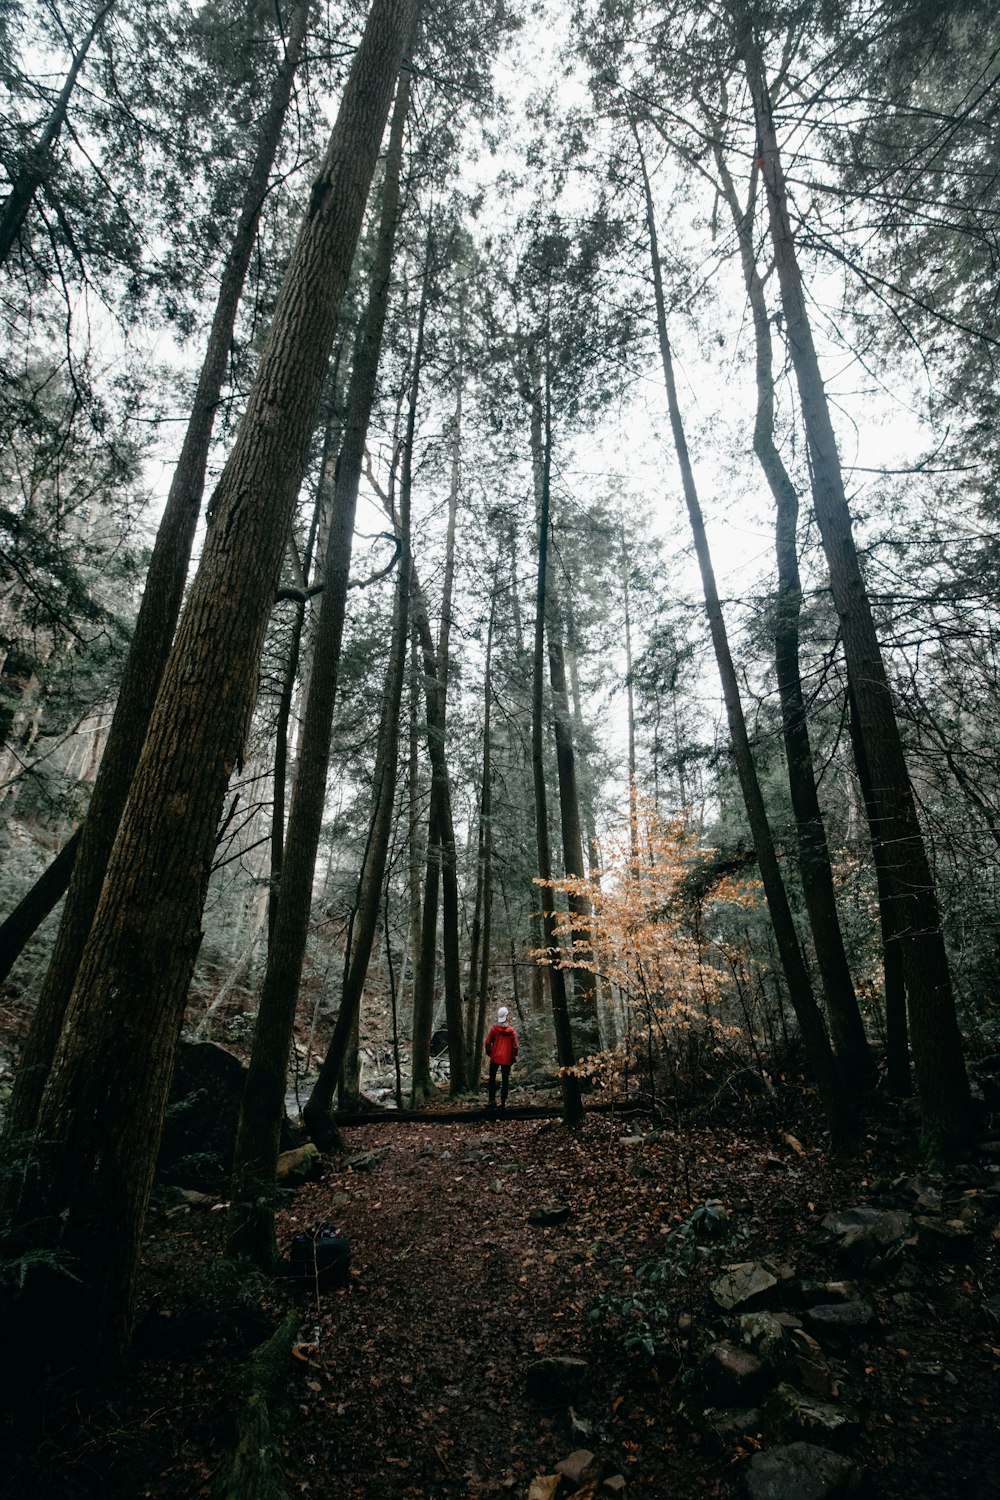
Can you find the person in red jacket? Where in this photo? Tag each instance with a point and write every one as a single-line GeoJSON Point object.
{"type": "Point", "coordinates": [501, 1049]}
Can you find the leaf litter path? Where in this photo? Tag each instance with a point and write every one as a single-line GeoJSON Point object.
{"type": "Point", "coordinates": [417, 1388]}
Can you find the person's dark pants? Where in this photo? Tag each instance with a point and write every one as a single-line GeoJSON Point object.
{"type": "Point", "coordinates": [504, 1082]}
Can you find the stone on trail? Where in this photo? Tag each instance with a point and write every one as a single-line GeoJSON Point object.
{"type": "Point", "coordinates": [364, 1161]}
{"type": "Point", "coordinates": [555, 1213]}
{"type": "Point", "coordinates": [301, 1165]}
{"type": "Point", "coordinates": [800, 1416]}
{"type": "Point", "coordinates": [574, 1467]}
{"type": "Point", "coordinates": [203, 1110]}
{"type": "Point", "coordinates": [726, 1427]}
{"type": "Point", "coordinates": [884, 1225]}
{"type": "Point", "coordinates": [801, 1471]}
{"type": "Point", "coordinates": [732, 1377]}
{"type": "Point", "coordinates": [767, 1336]}
{"type": "Point", "coordinates": [194, 1199]}
{"type": "Point", "coordinates": [746, 1285]}
{"type": "Point", "coordinates": [816, 1375]}
{"type": "Point", "coordinates": [544, 1486]}
{"type": "Point", "coordinates": [945, 1237]}
{"type": "Point", "coordinates": [841, 1322]}
{"type": "Point", "coordinates": [813, 1292]}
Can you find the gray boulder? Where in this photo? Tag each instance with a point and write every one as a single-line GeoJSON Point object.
{"type": "Point", "coordinates": [798, 1415]}
{"type": "Point", "coordinates": [725, 1427]}
{"type": "Point", "coordinates": [766, 1334]}
{"type": "Point", "coordinates": [840, 1323]}
{"type": "Point", "coordinates": [731, 1376]}
{"type": "Point", "coordinates": [203, 1110]}
{"type": "Point", "coordinates": [545, 1217]}
{"type": "Point", "coordinates": [303, 1164]}
{"type": "Point", "coordinates": [801, 1471]}
{"type": "Point", "coordinates": [949, 1238]}
{"type": "Point", "coordinates": [746, 1286]}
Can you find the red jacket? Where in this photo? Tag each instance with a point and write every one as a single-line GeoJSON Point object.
{"type": "Point", "coordinates": [501, 1045]}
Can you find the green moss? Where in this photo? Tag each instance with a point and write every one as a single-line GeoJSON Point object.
{"type": "Point", "coordinates": [253, 1472]}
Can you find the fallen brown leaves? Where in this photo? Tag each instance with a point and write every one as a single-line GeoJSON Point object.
{"type": "Point", "coordinates": [415, 1385]}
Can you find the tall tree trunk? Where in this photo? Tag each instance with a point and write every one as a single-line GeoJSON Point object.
{"type": "Point", "coordinates": [30, 912]}
{"type": "Point", "coordinates": [425, 957]}
{"type": "Point", "coordinates": [479, 944]}
{"type": "Point", "coordinates": [850, 1043]}
{"type": "Point", "coordinates": [287, 695]}
{"type": "Point", "coordinates": [536, 935]}
{"type": "Point", "coordinates": [807, 1012]}
{"type": "Point", "coordinates": [565, 1054]}
{"type": "Point", "coordinates": [102, 1111]}
{"type": "Point", "coordinates": [441, 860]}
{"type": "Point", "coordinates": [942, 1082]}
{"type": "Point", "coordinates": [897, 1050]}
{"type": "Point", "coordinates": [487, 937]}
{"type": "Point", "coordinates": [425, 975]}
{"type": "Point", "coordinates": [251, 1222]}
{"type": "Point", "coordinates": [633, 784]}
{"type": "Point", "coordinates": [318, 1111]}
{"type": "Point", "coordinates": [588, 1038]}
{"type": "Point", "coordinates": [37, 164]}
{"type": "Point", "coordinates": [605, 1029]}
{"type": "Point", "coordinates": [457, 1063]}
{"type": "Point", "coordinates": [154, 627]}
{"type": "Point", "coordinates": [413, 860]}
{"type": "Point", "coordinates": [583, 1011]}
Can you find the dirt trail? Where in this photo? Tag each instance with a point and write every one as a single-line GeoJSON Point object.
{"type": "Point", "coordinates": [418, 1388]}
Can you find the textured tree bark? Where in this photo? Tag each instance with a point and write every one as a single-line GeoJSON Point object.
{"type": "Point", "coordinates": [414, 862]}
{"type": "Point", "coordinates": [536, 936]}
{"type": "Point", "coordinates": [565, 1055]}
{"type": "Point", "coordinates": [584, 1014]}
{"type": "Point", "coordinates": [102, 1111]}
{"type": "Point", "coordinates": [897, 1048]}
{"type": "Point", "coordinates": [154, 626]}
{"type": "Point", "coordinates": [251, 1224]}
{"type": "Point", "coordinates": [633, 784]}
{"type": "Point", "coordinates": [441, 860]}
{"type": "Point", "coordinates": [583, 1008]}
{"type": "Point", "coordinates": [942, 1082]}
{"type": "Point", "coordinates": [442, 864]}
{"type": "Point", "coordinates": [441, 873]}
{"type": "Point", "coordinates": [425, 974]}
{"type": "Point", "coordinates": [850, 1043]}
{"type": "Point", "coordinates": [479, 941]}
{"type": "Point", "coordinates": [286, 698]}
{"type": "Point", "coordinates": [811, 1027]}
{"type": "Point", "coordinates": [318, 1111]}
{"type": "Point", "coordinates": [450, 913]}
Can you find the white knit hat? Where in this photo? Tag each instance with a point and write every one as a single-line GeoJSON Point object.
{"type": "Point", "coordinates": [502, 1015]}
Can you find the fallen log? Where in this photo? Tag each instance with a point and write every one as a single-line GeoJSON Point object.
{"type": "Point", "coordinates": [382, 1115]}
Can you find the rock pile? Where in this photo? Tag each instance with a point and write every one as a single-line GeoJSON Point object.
{"type": "Point", "coordinates": [781, 1376]}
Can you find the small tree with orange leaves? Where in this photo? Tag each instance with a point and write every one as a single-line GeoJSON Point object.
{"type": "Point", "coordinates": [653, 960]}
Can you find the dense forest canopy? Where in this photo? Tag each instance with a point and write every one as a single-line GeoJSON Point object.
{"type": "Point", "coordinates": [497, 505]}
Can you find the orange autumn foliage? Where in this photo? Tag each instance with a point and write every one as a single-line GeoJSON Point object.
{"type": "Point", "coordinates": [642, 940]}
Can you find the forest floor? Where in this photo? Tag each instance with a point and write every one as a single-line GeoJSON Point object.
{"type": "Point", "coordinates": [419, 1385]}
